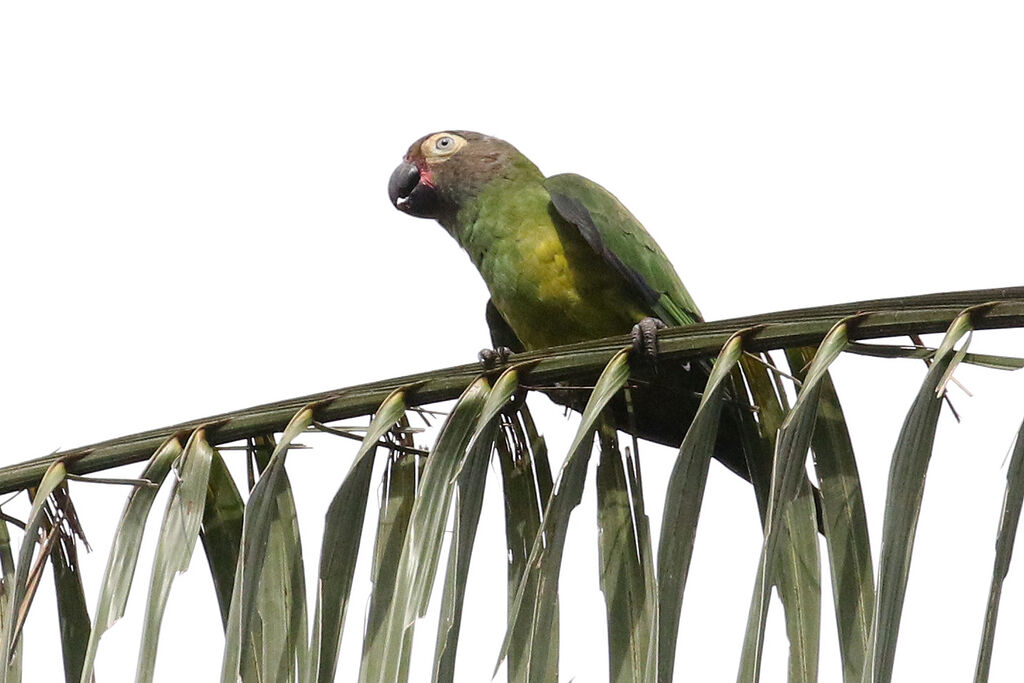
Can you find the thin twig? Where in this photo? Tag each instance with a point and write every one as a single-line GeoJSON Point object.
{"type": "Point", "coordinates": [428, 411]}
{"type": "Point", "coordinates": [293, 446]}
{"type": "Point", "coordinates": [917, 342]}
{"type": "Point", "coordinates": [347, 428]}
{"type": "Point", "coordinates": [916, 338]}
{"type": "Point", "coordinates": [775, 369]}
{"type": "Point", "coordinates": [13, 520]}
{"type": "Point", "coordinates": [32, 583]}
{"type": "Point", "coordinates": [383, 444]}
{"type": "Point", "coordinates": [104, 480]}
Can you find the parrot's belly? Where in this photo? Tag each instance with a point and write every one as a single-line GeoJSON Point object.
{"type": "Point", "coordinates": [553, 289]}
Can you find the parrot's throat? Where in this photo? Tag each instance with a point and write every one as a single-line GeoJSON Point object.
{"type": "Point", "coordinates": [472, 189]}
{"type": "Point", "coordinates": [455, 222]}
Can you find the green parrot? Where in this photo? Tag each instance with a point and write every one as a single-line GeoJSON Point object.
{"type": "Point", "coordinates": [564, 261]}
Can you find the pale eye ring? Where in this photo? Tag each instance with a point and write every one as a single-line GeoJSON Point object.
{"type": "Point", "coordinates": [445, 144]}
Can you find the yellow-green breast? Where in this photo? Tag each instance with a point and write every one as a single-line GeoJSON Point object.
{"type": "Point", "coordinates": [549, 285]}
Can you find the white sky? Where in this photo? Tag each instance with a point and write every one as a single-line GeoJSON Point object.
{"type": "Point", "coordinates": [194, 216]}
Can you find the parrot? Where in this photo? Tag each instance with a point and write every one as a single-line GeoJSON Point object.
{"type": "Point", "coordinates": [564, 261]}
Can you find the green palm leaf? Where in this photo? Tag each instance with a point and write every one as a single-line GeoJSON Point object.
{"type": "Point", "coordinates": [340, 547]}
{"type": "Point", "coordinates": [844, 520]}
{"type": "Point", "coordinates": [903, 501]}
{"type": "Point", "coordinates": [627, 566]}
{"type": "Point", "coordinates": [1013, 500]}
{"type": "Point", "coordinates": [256, 559]}
{"type": "Point", "coordinates": [527, 484]}
{"type": "Point", "coordinates": [682, 505]}
{"type": "Point", "coordinates": [534, 599]}
{"type": "Point", "coordinates": [178, 534]}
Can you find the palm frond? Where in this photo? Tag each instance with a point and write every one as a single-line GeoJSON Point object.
{"type": "Point", "coordinates": [1013, 501]}
{"type": "Point", "coordinates": [801, 327]}
{"type": "Point", "coordinates": [535, 595]}
{"type": "Point", "coordinates": [844, 521]}
{"type": "Point", "coordinates": [178, 534]}
{"type": "Point", "coordinates": [903, 500]}
{"type": "Point", "coordinates": [627, 566]}
{"type": "Point", "coordinates": [682, 505]}
{"type": "Point", "coordinates": [527, 485]}
{"type": "Point", "coordinates": [251, 533]}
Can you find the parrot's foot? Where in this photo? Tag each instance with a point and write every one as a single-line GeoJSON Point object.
{"type": "Point", "coordinates": [645, 337]}
{"type": "Point", "coordinates": [492, 358]}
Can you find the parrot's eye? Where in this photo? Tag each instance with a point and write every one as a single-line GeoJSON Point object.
{"type": "Point", "coordinates": [442, 146]}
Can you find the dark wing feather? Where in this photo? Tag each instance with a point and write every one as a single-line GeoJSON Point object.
{"type": "Point", "coordinates": [619, 238]}
{"type": "Point", "coordinates": [573, 210]}
{"type": "Point", "coordinates": [501, 332]}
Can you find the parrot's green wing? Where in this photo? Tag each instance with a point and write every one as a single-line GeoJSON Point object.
{"type": "Point", "coordinates": [614, 233]}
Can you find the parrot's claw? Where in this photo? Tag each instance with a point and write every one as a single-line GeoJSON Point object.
{"type": "Point", "coordinates": [492, 358]}
{"type": "Point", "coordinates": [645, 337]}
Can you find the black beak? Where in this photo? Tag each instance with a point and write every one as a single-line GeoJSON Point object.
{"type": "Point", "coordinates": [408, 194]}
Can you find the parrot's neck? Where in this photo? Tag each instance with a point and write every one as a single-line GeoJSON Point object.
{"type": "Point", "coordinates": [476, 223]}
{"type": "Point", "coordinates": [517, 179]}
{"type": "Point", "coordinates": [493, 226]}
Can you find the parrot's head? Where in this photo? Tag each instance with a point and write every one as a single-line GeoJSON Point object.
{"type": "Point", "coordinates": [442, 171]}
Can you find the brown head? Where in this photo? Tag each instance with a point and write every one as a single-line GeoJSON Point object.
{"type": "Point", "coordinates": [442, 171]}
